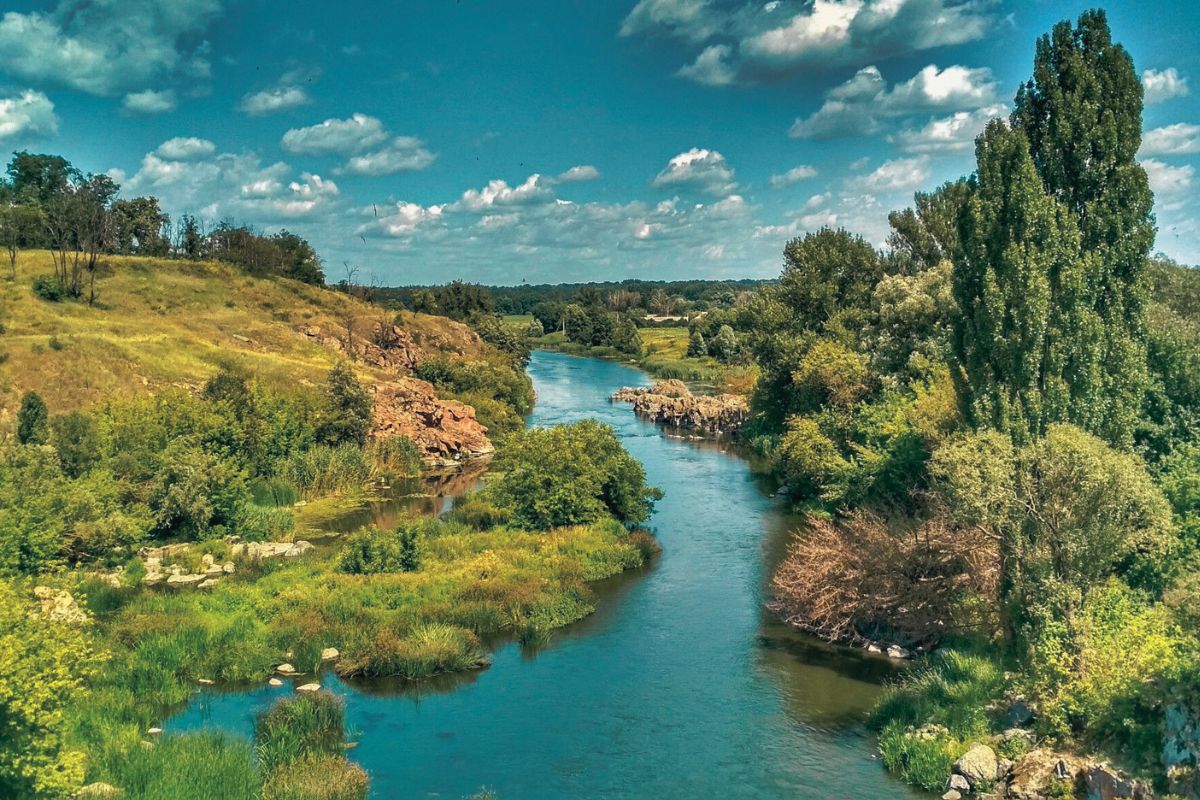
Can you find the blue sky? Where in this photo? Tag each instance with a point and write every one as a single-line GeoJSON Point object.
{"type": "Point", "coordinates": [558, 140]}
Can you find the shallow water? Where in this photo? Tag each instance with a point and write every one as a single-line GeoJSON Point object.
{"type": "Point", "coordinates": [680, 686]}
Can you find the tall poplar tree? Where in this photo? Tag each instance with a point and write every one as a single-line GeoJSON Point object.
{"type": "Point", "coordinates": [1018, 247]}
{"type": "Point", "coordinates": [1051, 272]}
{"type": "Point", "coordinates": [1082, 115]}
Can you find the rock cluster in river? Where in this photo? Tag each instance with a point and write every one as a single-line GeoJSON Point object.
{"type": "Point", "coordinates": [671, 403]}
{"type": "Point", "coordinates": [445, 431]}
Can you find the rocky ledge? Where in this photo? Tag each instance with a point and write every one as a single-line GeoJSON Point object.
{"type": "Point", "coordinates": [445, 431]}
{"type": "Point", "coordinates": [672, 403]}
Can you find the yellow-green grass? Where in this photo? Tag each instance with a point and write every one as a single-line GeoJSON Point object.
{"type": "Point", "coordinates": [666, 342]}
{"type": "Point", "coordinates": [521, 321]}
{"type": "Point", "coordinates": [159, 323]}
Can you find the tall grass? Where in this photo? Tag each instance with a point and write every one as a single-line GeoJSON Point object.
{"type": "Point", "coordinates": [274, 492]}
{"type": "Point", "coordinates": [196, 766]}
{"type": "Point", "coordinates": [395, 456]}
{"type": "Point", "coordinates": [323, 470]}
{"type": "Point", "coordinates": [307, 725]}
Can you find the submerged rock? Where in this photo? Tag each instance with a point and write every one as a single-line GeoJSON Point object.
{"type": "Point", "coordinates": [671, 403]}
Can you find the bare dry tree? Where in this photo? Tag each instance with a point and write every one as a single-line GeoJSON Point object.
{"type": "Point", "coordinates": [843, 579]}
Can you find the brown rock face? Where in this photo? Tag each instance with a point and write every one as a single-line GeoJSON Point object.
{"type": "Point", "coordinates": [388, 347]}
{"type": "Point", "coordinates": [445, 431]}
{"type": "Point", "coordinates": [1037, 771]}
{"type": "Point", "coordinates": [672, 403]}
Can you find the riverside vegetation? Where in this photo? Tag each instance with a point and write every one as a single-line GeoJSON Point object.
{"type": "Point", "coordinates": [189, 399]}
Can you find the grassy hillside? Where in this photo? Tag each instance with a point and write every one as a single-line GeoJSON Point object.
{"type": "Point", "coordinates": [159, 323]}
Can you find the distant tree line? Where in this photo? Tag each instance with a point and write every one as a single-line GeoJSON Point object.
{"type": "Point", "coordinates": [47, 203]}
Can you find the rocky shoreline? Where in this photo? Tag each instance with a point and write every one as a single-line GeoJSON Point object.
{"type": "Point", "coordinates": [672, 403]}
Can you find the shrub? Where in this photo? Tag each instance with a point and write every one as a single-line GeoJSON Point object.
{"type": "Point", "coordinates": [198, 495]}
{"type": "Point", "coordinates": [810, 463]}
{"type": "Point", "coordinates": [77, 442]}
{"type": "Point", "coordinates": [348, 408]}
{"type": "Point", "coordinates": [375, 551]}
{"type": "Point", "coordinates": [49, 289]}
{"type": "Point", "coordinates": [33, 420]}
{"type": "Point", "coordinates": [569, 475]}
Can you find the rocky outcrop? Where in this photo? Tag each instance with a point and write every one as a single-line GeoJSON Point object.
{"type": "Point", "coordinates": [671, 403]}
{"type": "Point", "coordinates": [445, 431]}
{"type": "Point", "coordinates": [1107, 783]}
{"type": "Point", "coordinates": [1037, 773]}
{"type": "Point", "coordinates": [388, 347]}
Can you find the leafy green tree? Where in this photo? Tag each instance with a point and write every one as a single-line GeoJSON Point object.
{"type": "Point", "coordinates": [571, 475]}
{"type": "Point", "coordinates": [724, 346]}
{"type": "Point", "coordinates": [696, 345]}
{"type": "Point", "coordinates": [138, 226]}
{"type": "Point", "coordinates": [923, 237]}
{"type": "Point", "coordinates": [77, 443]}
{"type": "Point", "coordinates": [37, 178]}
{"type": "Point", "coordinates": [348, 408]}
{"type": "Point", "coordinates": [1082, 115]}
{"type": "Point", "coordinates": [828, 274]}
{"type": "Point", "coordinates": [1014, 281]}
{"type": "Point", "coordinates": [198, 496]}
{"type": "Point", "coordinates": [20, 226]}
{"type": "Point", "coordinates": [44, 666]}
{"type": "Point", "coordinates": [625, 336]}
{"type": "Point", "coordinates": [33, 420]}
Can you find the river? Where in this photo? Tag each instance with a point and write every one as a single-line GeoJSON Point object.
{"type": "Point", "coordinates": [680, 686]}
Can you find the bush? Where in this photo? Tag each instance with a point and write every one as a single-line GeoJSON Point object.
{"type": "Point", "coordinates": [374, 551]}
{"type": "Point", "coordinates": [33, 420]}
{"type": "Point", "coordinates": [198, 496]}
{"type": "Point", "coordinates": [570, 475]}
{"type": "Point", "coordinates": [49, 289]}
{"type": "Point", "coordinates": [810, 463]}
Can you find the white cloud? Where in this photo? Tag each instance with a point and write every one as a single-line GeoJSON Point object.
{"type": "Point", "coordinates": [741, 42]}
{"type": "Point", "coordinates": [1171, 140]}
{"type": "Point", "coordinates": [705, 170]}
{"type": "Point", "coordinates": [895, 175]}
{"type": "Point", "coordinates": [108, 47]}
{"type": "Point", "coordinates": [579, 173]}
{"type": "Point", "coordinates": [711, 67]}
{"type": "Point", "coordinates": [855, 107]}
{"type": "Point", "coordinates": [150, 102]}
{"type": "Point", "coordinates": [190, 178]}
{"type": "Point", "coordinates": [1164, 85]}
{"type": "Point", "coordinates": [793, 175]}
{"type": "Point", "coordinates": [499, 193]}
{"type": "Point", "coordinates": [953, 134]}
{"type": "Point", "coordinates": [185, 148]}
{"type": "Point", "coordinates": [269, 101]}
{"type": "Point", "coordinates": [29, 114]}
{"type": "Point", "coordinates": [402, 154]}
{"type": "Point", "coordinates": [1168, 182]}
{"type": "Point", "coordinates": [335, 136]}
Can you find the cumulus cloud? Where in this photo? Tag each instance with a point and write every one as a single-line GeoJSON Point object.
{"type": "Point", "coordinates": [749, 41]}
{"type": "Point", "coordinates": [335, 136]}
{"type": "Point", "coordinates": [278, 98]}
{"type": "Point", "coordinates": [1164, 85]}
{"type": "Point", "coordinates": [27, 115]}
{"type": "Point", "coordinates": [108, 47]}
{"type": "Point", "coordinates": [190, 177]}
{"type": "Point", "coordinates": [401, 154]}
{"type": "Point", "coordinates": [857, 106]}
{"type": "Point", "coordinates": [899, 174]}
{"type": "Point", "coordinates": [499, 193]}
{"type": "Point", "coordinates": [149, 102]}
{"type": "Point", "coordinates": [1171, 140]}
{"type": "Point", "coordinates": [1168, 181]}
{"type": "Point", "coordinates": [953, 134]}
{"type": "Point", "coordinates": [704, 170]}
{"type": "Point", "coordinates": [185, 148]}
{"type": "Point", "coordinates": [578, 174]}
{"type": "Point", "coordinates": [793, 175]}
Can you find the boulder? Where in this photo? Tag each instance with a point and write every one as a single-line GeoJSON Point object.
{"type": "Point", "coordinates": [952, 794]}
{"type": "Point", "coordinates": [1035, 773]}
{"type": "Point", "coordinates": [329, 654]}
{"type": "Point", "coordinates": [298, 549]}
{"type": "Point", "coordinates": [978, 765]}
{"type": "Point", "coordinates": [275, 682]}
{"type": "Point", "coordinates": [207, 583]}
{"type": "Point", "coordinates": [1106, 783]}
{"type": "Point", "coordinates": [286, 669]}
{"type": "Point", "coordinates": [98, 791]}
{"type": "Point", "coordinates": [896, 651]}
{"type": "Point", "coordinates": [180, 580]}
{"type": "Point", "coordinates": [309, 687]}
{"type": "Point", "coordinates": [205, 681]}
{"type": "Point", "coordinates": [228, 568]}
{"type": "Point", "coordinates": [154, 731]}
{"type": "Point", "coordinates": [1019, 714]}
{"type": "Point", "coordinates": [207, 560]}
{"type": "Point", "coordinates": [958, 783]}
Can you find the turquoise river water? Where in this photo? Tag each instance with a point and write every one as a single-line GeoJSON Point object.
{"type": "Point", "coordinates": [680, 686]}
